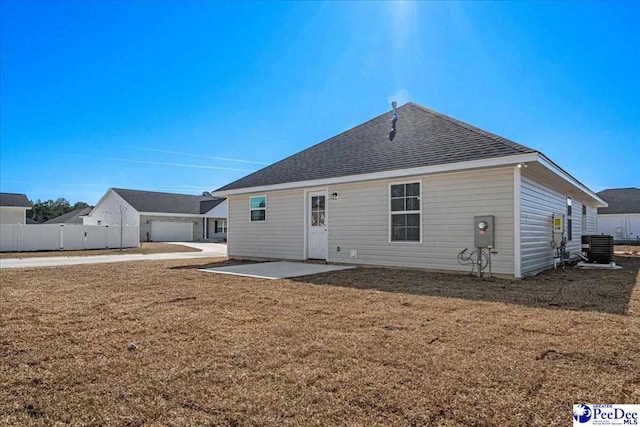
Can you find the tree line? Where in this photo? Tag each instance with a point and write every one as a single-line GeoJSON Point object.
{"type": "Point", "coordinates": [42, 211]}
{"type": "Point", "coordinates": [45, 210]}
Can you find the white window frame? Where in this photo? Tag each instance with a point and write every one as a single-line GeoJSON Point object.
{"type": "Point", "coordinates": [584, 218]}
{"type": "Point", "coordinates": [391, 213]}
{"type": "Point", "coordinates": [251, 209]}
{"type": "Point", "coordinates": [223, 225]}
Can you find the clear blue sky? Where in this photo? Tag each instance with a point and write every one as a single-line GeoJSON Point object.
{"type": "Point", "coordinates": [182, 97]}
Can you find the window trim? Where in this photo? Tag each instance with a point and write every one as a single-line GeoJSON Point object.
{"type": "Point", "coordinates": [222, 228]}
{"type": "Point", "coordinates": [569, 206]}
{"type": "Point", "coordinates": [584, 218]}
{"type": "Point", "coordinates": [251, 209]}
{"type": "Point", "coordinates": [391, 213]}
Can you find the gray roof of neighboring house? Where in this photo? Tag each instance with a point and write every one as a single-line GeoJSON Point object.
{"type": "Point", "coordinates": [207, 205]}
{"type": "Point", "coordinates": [72, 217]}
{"type": "Point", "coordinates": [423, 138]}
{"type": "Point", "coordinates": [14, 199]}
{"type": "Point", "coordinates": [32, 221]}
{"type": "Point", "coordinates": [620, 200]}
{"type": "Point", "coordinates": [153, 201]}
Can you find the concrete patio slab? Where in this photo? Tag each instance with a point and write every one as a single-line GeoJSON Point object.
{"type": "Point", "coordinates": [277, 269]}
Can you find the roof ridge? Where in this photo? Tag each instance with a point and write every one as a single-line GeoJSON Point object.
{"type": "Point", "coordinates": [470, 127]}
{"type": "Point", "coordinates": [426, 138]}
{"type": "Point", "coordinates": [163, 192]}
{"type": "Point", "coordinates": [323, 141]}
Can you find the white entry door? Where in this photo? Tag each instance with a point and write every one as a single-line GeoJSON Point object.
{"type": "Point", "coordinates": [318, 238]}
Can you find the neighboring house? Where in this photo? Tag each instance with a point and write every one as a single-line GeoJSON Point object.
{"type": "Point", "coordinates": [162, 217]}
{"type": "Point", "coordinates": [13, 208]}
{"type": "Point", "coordinates": [215, 213]}
{"type": "Point", "coordinates": [621, 219]}
{"type": "Point", "coordinates": [73, 217]}
{"type": "Point", "coordinates": [363, 199]}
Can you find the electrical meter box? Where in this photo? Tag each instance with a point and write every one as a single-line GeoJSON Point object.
{"type": "Point", "coordinates": [483, 231]}
{"type": "Point", "coordinates": [557, 224]}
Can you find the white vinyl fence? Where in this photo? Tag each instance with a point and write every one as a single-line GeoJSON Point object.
{"type": "Point", "coordinates": [53, 237]}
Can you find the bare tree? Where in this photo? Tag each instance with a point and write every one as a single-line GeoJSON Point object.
{"type": "Point", "coordinates": [122, 211]}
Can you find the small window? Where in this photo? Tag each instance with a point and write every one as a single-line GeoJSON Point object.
{"type": "Point", "coordinates": [569, 221]}
{"type": "Point", "coordinates": [259, 208]}
{"type": "Point", "coordinates": [405, 212]}
{"type": "Point", "coordinates": [584, 218]}
{"type": "Point", "coordinates": [318, 213]}
{"type": "Point", "coordinates": [220, 226]}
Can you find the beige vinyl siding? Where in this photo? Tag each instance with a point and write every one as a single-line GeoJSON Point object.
{"type": "Point", "coordinates": [538, 203]}
{"type": "Point", "coordinates": [12, 215]}
{"type": "Point", "coordinates": [359, 220]}
{"type": "Point", "coordinates": [575, 245]}
{"type": "Point", "coordinates": [280, 236]}
{"type": "Point", "coordinates": [592, 220]}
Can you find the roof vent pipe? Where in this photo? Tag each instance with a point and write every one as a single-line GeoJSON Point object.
{"type": "Point", "coordinates": [394, 120]}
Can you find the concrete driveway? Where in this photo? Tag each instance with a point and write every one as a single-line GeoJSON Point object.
{"type": "Point", "coordinates": [208, 250]}
{"type": "Point", "coordinates": [217, 248]}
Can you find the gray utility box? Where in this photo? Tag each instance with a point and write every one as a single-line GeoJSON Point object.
{"type": "Point", "coordinates": [483, 227]}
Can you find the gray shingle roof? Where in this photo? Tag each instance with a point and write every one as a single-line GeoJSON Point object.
{"type": "Point", "coordinates": [14, 199]}
{"type": "Point", "coordinates": [620, 200]}
{"type": "Point", "coordinates": [424, 138]}
{"type": "Point", "coordinates": [72, 217]}
{"type": "Point", "coordinates": [153, 201]}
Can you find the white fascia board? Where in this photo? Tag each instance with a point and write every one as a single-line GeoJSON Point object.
{"type": "Point", "coordinates": [571, 180]}
{"type": "Point", "coordinates": [396, 173]}
{"type": "Point", "coordinates": [172, 214]}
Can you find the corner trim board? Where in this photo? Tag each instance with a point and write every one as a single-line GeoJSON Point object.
{"type": "Point", "coordinates": [517, 248]}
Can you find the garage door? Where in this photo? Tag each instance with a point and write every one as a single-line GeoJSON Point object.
{"type": "Point", "coordinates": [165, 231]}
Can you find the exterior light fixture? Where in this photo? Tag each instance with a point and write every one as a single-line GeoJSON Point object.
{"type": "Point", "coordinates": [334, 195]}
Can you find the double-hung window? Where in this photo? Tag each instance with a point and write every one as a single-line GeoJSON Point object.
{"type": "Point", "coordinates": [258, 208]}
{"type": "Point", "coordinates": [405, 212]}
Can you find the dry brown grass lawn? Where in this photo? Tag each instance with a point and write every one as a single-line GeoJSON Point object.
{"type": "Point", "coordinates": [627, 250]}
{"type": "Point", "coordinates": [145, 248]}
{"type": "Point", "coordinates": [365, 347]}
